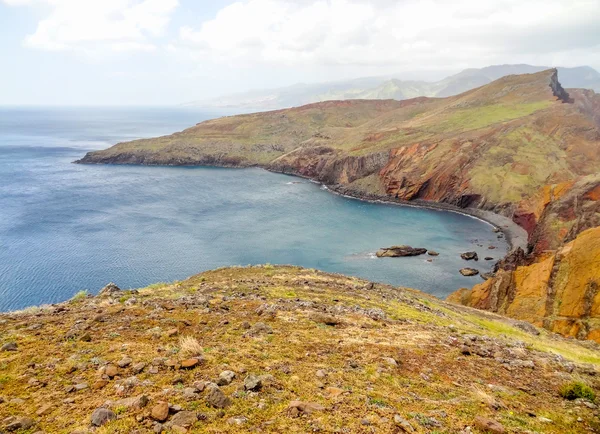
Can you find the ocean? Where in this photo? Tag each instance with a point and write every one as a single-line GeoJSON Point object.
{"type": "Point", "coordinates": [66, 227]}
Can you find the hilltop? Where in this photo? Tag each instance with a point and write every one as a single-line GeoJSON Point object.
{"type": "Point", "coordinates": [522, 147]}
{"type": "Point", "coordinates": [286, 349]}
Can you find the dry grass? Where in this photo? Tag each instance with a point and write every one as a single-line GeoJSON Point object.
{"type": "Point", "coordinates": [190, 347]}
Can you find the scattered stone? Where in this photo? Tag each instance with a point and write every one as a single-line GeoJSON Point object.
{"type": "Point", "coordinates": [160, 411]}
{"type": "Point", "coordinates": [334, 392]}
{"type": "Point", "coordinates": [135, 402]}
{"type": "Point", "coordinates": [544, 419]}
{"type": "Point", "coordinates": [124, 362]}
{"type": "Point", "coordinates": [86, 337]}
{"type": "Point", "coordinates": [400, 251]}
{"type": "Point", "coordinates": [225, 378]}
{"type": "Point", "coordinates": [321, 373]}
{"type": "Point", "coordinates": [469, 271]}
{"type": "Point", "coordinates": [44, 410]}
{"type": "Point", "coordinates": [403, 424]}
{"type": "Point", "coordinates": [527, 327]}
{"type": "Point", "coordinates": [324, 318]}
{"type": "Point", "coordinates": [184, 419]}
{"type": "Point", "coordinates": [109, 290]}
{"type": "Point", "coordinates": [252, 382]}
{"type": "Point", "coordinates": [468, 256]}
{"type": "Point", "coordinates": [101, 416]}
{"type": "Point", "coordinates": [489, 258]}
{"type": "Point", "coordinates": [432, 253]}
{"type": "Point", "coordinates": [390, 361]}
{"type": "Point", "coordinates": [216, 398]}
{"type": "Point", "coordinates": [299, 408]}
{"type": "Point", "coordinates": [111, 371]}
{"type": "Point", "coordinates": [10, 346]}
{"type": "Point", "coordinates": [138, 367]}
{"type": "Point", "coordinates": [237, 420]}
{"type": "Point", "coordinates": [190, 363]}
{"type": "Point", "coordinates": [260, 328]}
{"type": "Point", "coordinates": [489, 425]}
{"type": "Point", "coordinates": [81, 386]}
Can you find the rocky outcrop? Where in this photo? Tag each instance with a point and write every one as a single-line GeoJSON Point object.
{"type": "Point", "coordinates": [559, 291]}
{"type": "Point", "coordinates": [399, 251]}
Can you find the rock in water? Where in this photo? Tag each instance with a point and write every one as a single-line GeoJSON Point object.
{"type": "Point", "coordinates": [398, 251]}
{"type": "Point", "coordinates": [433, 253]}
{"type": "Point", "coordinates": [469, 271]}
{"type": "Point", "coordinates": [467, 256]}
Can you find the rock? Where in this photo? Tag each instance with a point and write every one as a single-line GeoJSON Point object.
{"type": "Point", "coordinates": [403, 424]}
{"type": "Point", "coordinates": [19, 423]}
{"type": "Point", "coordinates": [225, 378]}
{"type": "Point", "coordinates": [432, 253]}
{"type": "Point", "coordinates": [160, 411]}
{"type": "Point", "coordinates": [237, 420]}
{"type": "Point", "coordinates": [86, 337]}
{"type": "Point", "coordinates": [216, 398]}
{"type": "Point", "coordinates": [487, 276]}
{"type": "Point", "coordinates": [138, 367]}
{"type": "Point", "coordinates": [172, 332]}
{"type": "Point", "coordinates": [527, 327]}
{"type": "Point", "coordinates": [111, 371]}
{"type": "Point", "coordinates": [400, 251]}
{"type": "Point", "coordinates": [124, 362]}
{"type": "Point", "coordinates": [252, 382]}
{"type": "Point", "coordinates": [10, 346]}
{"type": "Point", "coordinates": [334, 392]}
{"type": "Point", "coordinates": [260, 328]}
{"type": "Point", "coordinates": [81, 386]}
{"type": "Point", "coordinates": [99, 384]}
{"type": "Point", "coordinates": [469, 271]}
{"type": "Point", "coordinates": [321, 373]}
{"type": "Point", "coordinates": [101, 416]}
{"type": "Point", "coordinates": [489, 425]}
{"type": "Point", "coordinates": [489, 258]}
{"type": "Point", "coordinates": [190, 363]}
{"type": "Point", "coordinates": [109, 290]}
{"type": "Point", "coordinates": [44, 410]}
{"type": "Point", "coordinates": [135, 402]}
{"type": "Point", "coordinates": [468, 256]}
{"type": "Point", "coordinates": [299, 408]}
{"type": "Point", "coordinates": [184, 419]}
{"type": "Point", "coordinates": [390, 361]}
{"type": "Point", "coordinates": [323, 318]}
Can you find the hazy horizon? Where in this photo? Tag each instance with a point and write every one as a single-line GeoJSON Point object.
{"type": "Point", "coordinates": [168, 52]}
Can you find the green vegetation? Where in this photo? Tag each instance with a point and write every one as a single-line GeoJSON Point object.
{"type": "Point", "coordinates": [577, 389]}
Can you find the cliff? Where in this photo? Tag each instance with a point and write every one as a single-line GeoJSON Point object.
{"type": "Point", "coordinates": [521, 146]}
{"type": "Point", "coordinates": [286, 349]}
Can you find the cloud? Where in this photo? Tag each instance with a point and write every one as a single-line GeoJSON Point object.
{"type": "Point", "coordinates": [413, 33]}
{"type": "Point", "coordinates": [96, 25]}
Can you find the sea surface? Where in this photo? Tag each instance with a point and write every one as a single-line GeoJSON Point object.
{"type": "Point", "coordinates": [66, 227]}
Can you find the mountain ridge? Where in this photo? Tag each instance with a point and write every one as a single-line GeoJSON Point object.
{"type": "Point", "coordinates": [390, 87]}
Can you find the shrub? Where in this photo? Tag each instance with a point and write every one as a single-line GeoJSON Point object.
{"type": "Point", "coordinates": [189, 346]}
{"type": "Point", "coordinates": [81, 295]}
{"type": "Point", "coordinates": [577, 389]}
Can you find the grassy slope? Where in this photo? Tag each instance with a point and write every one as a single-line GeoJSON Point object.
{"type": "Point", "coordinates": [435, 386]}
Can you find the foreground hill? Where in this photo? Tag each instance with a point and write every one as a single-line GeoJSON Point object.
{"type": "Point", "coordinates": [393, 87]}
{"type": "Point", "coordinates": [286, 349]}
{"type": "Point", "coordinates": [522, 146]}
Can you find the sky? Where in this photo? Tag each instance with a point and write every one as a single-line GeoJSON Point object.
{"type": "Point", "coordinates": [165, 52]}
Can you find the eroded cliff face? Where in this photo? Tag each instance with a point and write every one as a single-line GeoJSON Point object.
{"type": "Point", "coordinates": [559, 291]}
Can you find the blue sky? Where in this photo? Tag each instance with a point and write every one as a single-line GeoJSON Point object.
{"type": "Point", "coordinates": [162, 52]}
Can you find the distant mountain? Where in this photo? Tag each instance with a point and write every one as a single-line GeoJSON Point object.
{"type": "Point", "coordinates": [393, 88]}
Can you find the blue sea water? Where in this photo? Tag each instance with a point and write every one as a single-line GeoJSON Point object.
{"type": "Point", "coordinates": [66, 227]}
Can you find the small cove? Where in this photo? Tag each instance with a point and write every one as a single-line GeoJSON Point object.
{"type": "Point", "coordinates": [68, 227]}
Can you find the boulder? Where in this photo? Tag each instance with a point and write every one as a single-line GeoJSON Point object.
{"type": "Point", "coordinates": [184, 419]}
{"type": "Point", "coordinates": [469, 271]}
{"type": "Point", "coordinates": [252, 382]}
{"type": "Point", "coordinates": [399, 251]}
{"type": "Point", "coordinates": [433, 253]}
